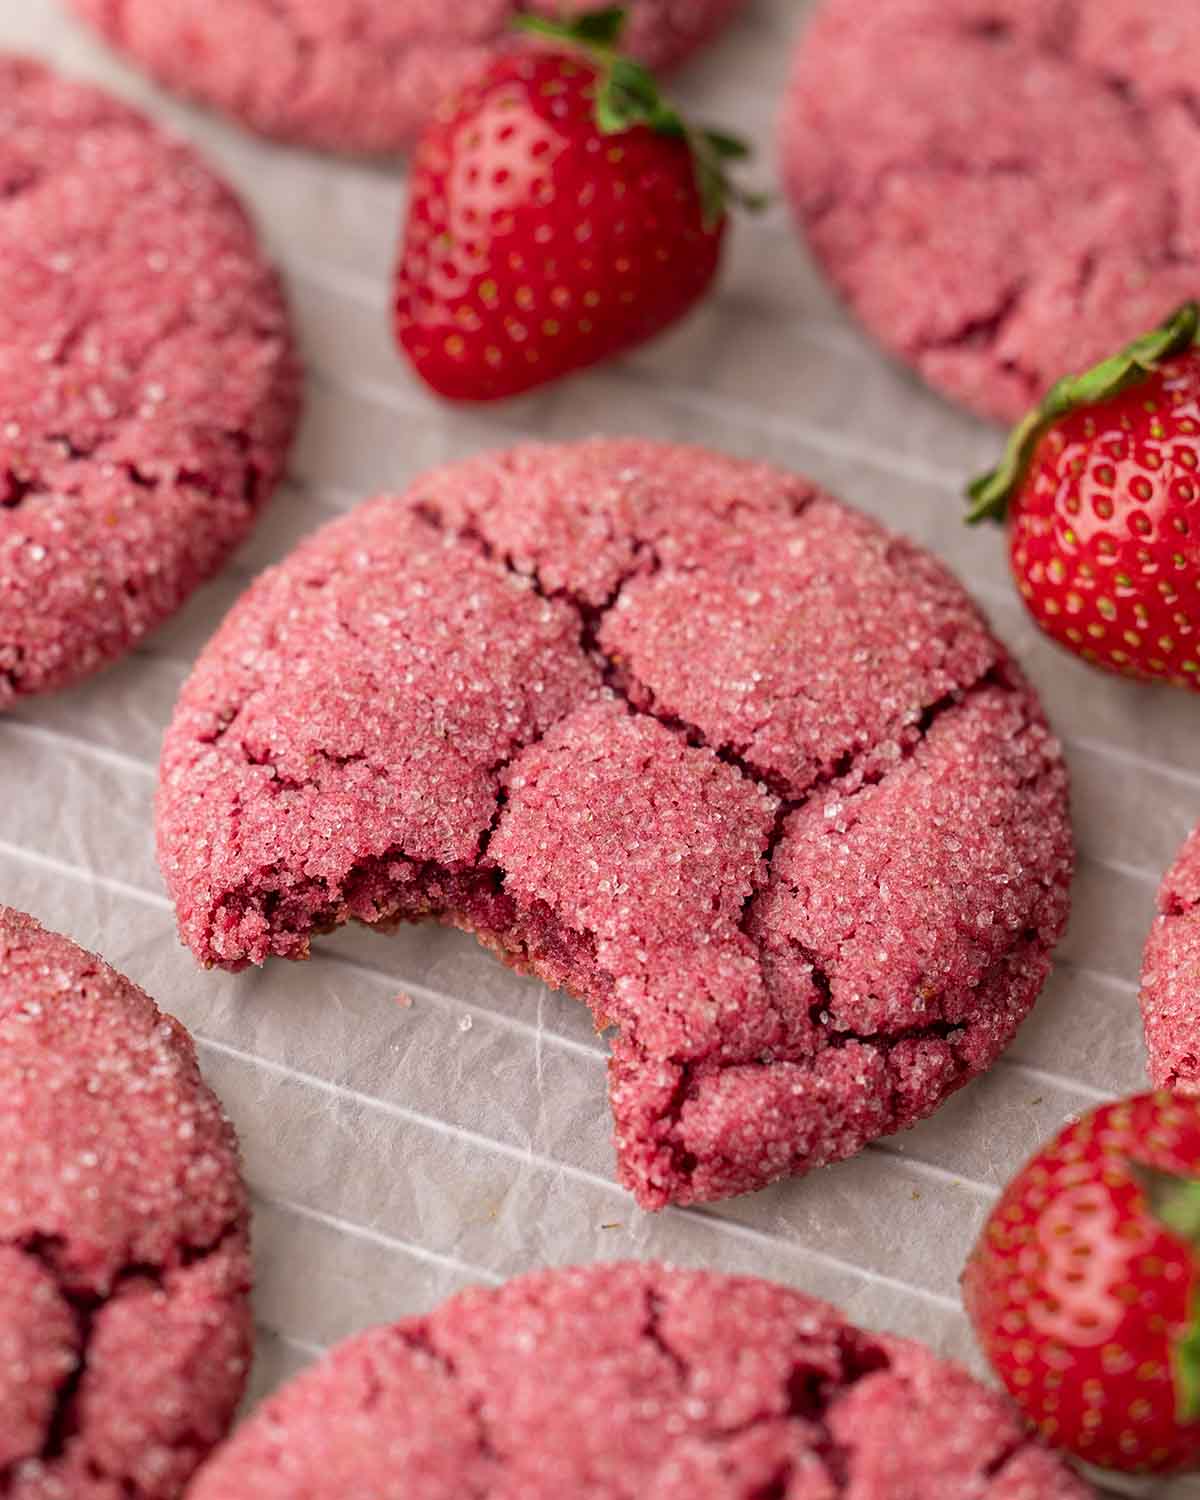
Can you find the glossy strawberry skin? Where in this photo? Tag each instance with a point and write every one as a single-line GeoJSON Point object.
{"type": "Point", "coordinates": [1077, 1293]}
{"type": "Point", "coordinates": [1105, 529]}
{"type": "Point", "coordinates": [536, 245]}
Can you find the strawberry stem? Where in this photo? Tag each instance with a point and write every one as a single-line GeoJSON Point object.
{"type": "Point", "coordinates": [628, 96]}
{"type": "Point", "coordinates": [990, 493]}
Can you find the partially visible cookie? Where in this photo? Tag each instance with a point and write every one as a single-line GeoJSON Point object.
{"type": "Point", "coordinates": [148, 386]}
{"type": "Point", "coordinates": [622, 1380]}
{"type": "Point", "coordinates": [125, 1325]}
{"type": "Point", "coordinates": [983, 243]}
{"type": "Point", "coordinates": [353, 75]}
{"type": "Point", "coordinates": [1170, 993]}
{"type": "Point", "coordinates": [678, 733]}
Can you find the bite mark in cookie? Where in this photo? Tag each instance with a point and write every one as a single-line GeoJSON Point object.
{"type": "Point", "coordinates": [679, 734]}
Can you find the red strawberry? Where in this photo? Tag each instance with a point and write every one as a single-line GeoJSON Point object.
{"type": "Point", "coordinates": [559, 212]}
{"type": "Point", "coordinates": [1083, 1286]}
{"type": "Point", "coordinates": [1101, 485]}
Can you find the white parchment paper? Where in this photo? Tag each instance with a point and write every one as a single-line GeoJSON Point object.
{"type": "Point", "coordinates": [396, 1153]}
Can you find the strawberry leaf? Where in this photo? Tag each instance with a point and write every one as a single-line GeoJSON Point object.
{"type": "Point", "coordinates": [628, 96]}
{"type": "Point", "coordinates": [990, 493]}
{"type": "Point", "coordinates": [1173, 1200]}
{"type": "Point", "coordinates": [601, 27]}
{"type": "Point", "coordinates": [1185, 1366]}
{"type": "Point", "coordinates": [728, 146]}
{"type": "Point", "coordinates": [595, 28]}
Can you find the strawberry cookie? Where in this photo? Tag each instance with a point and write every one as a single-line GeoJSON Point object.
{"type": "Point", "coordinates": [124, 1268]}
{"type": "Point", "coordinates": [981, 241]}
{"type": "Point", "coordinates": [148, 388]}
{"type": "Point", "coordinates": [1170, 992]}
{"type": "Point", "coordinates": [679, 734]}
{"type": "Point", "coordinates": [624, 1380]}
{"type": "Point", "coordinates": [354, 75]}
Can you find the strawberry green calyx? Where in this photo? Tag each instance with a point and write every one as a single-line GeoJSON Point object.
{"type": "Point", "coordinates": [1175, 1202]}
{"type": "Point", "coordinates": [628, 96]}
{"type": "Point", "coordinates": [990, 493]}
{"type": "Point", "coordinates": [603, 27]}
{"type": "Point", "coordinates": [1185, 1366]}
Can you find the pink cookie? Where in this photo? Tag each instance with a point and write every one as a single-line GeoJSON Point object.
{"type": "Point", "coordinates": [148, 388]}
{"type": "Point", "coordinates": [1171, 976]}
{"type": "Point", "coordinates": [622, 1380]}
{"type": "Point", "coordinates": [1002, 190]}
{"type": "Point", "coordinates": [124, 1269]}
{"type": "Point", "coordinates": [677, 733]}
{"type": "Point", "coordinates": [353, 75]}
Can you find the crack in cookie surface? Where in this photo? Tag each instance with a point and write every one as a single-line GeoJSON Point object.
{"type": "Point", "coordinates": [147, 378]}
{"type": "Point", "coordinates": [76, 1401]}
{"type": "Point", "coordinates": [628, 1380]}
{"type": "Point", "coordinates": [1079, 242]}
{"type": "Point", "coordinates": [477, 704]}
{"type": "Point", "coordinates": [124, 1257]}
{"type": "Point", "coordinates": [364, 77]}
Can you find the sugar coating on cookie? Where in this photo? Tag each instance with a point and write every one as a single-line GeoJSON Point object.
{"type": "Point", "coordinates": [361, 76]}
{"type": "Point", "coordinates": [623, 1380]}
{"type": "Point", "coordinates": [1170, 992]}
{"type": "Point", "coordinates": [677, 733]}
{"type": "Point", "coordinates": [980, 241]}
{"type": "Point", "coordinates": [148, 388]}
{"type": "Point", "coordinates": [124, 1265]}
